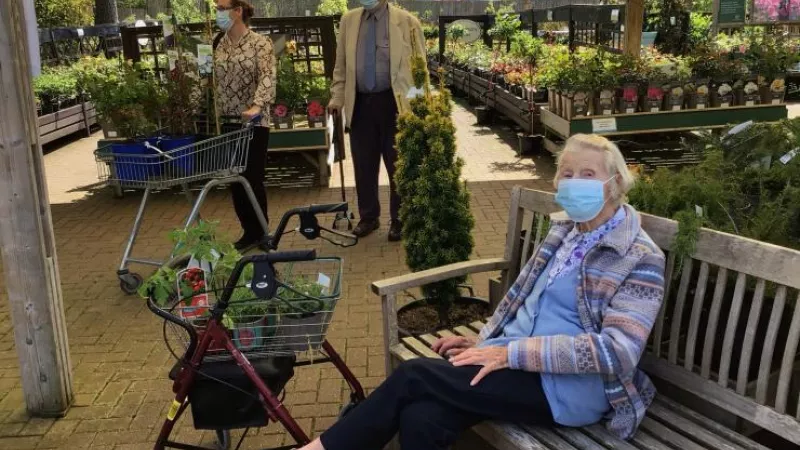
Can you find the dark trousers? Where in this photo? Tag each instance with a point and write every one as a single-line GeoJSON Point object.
{"type": "Point", "coordinates": [254, 174]}
{"type": "Point", "coordinates": [431, 402]}
{"type": "Point", "coordinates": [372, 132]}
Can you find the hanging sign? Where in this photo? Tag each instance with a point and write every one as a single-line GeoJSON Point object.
{"type": "Point", "coordinates": [730, 11]}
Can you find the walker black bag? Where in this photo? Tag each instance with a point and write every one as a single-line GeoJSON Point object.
{"type": "Point", "coordinates": [218, 406]}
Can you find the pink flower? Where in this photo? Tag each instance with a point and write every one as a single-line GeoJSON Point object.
{"type": "Point", "coordinates": [281, 110]}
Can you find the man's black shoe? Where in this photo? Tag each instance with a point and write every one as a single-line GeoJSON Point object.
{"type": "Point", "coordinates": [395, 231]}
{"type": "Point", "coordinates": [366, 227]}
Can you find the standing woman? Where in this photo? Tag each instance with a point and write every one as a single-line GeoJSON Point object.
{"type": "Point", "coordinates": [246, 80]}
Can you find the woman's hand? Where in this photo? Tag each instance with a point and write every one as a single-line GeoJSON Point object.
{"type": "Point", "coordinates": [248, 115]}
{"type": "Point", "coordinates": [452, 345]}
{"type": "Point", "coordinates": [491, 358]}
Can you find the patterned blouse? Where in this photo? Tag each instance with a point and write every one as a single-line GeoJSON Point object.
{"type": "Point", "coordinates": [246, 75]}
{"type": "Point", "coordinates": [572, 251]}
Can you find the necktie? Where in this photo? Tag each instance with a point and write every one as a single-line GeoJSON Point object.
{"type": "Point", "coordinates": [369, 58]}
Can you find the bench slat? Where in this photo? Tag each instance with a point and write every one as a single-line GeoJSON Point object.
{"type": "Point", "coordinates": [730, 329]}
{"type": "Point", "coordinates": [466, 332]}
{"type": "Point", "coordinates": [713, 321]}
{"type": "Point", "coordinates": [658, 332]}
{"type": "Point", "coordinates": [687, 427]}
{"type": "Point", "coordinates": [550, 439]}
{"type": "Point", "coordinates": [420, 348]}
{"type": "Point", "coordinates": [477, 326]}
{"type": "Point", "coordinates": [403, 353]}
{"type": "Point", "coordinates": [765, 365]}
{"type": "Point", "coordinates": [507, 437]}
{"type": "Point", "coordinates": [750, 337]}
{"type": "Point", "coordinates": [677, 313]}
{"type": "Point", "coordinates": [707, 423]}
{"type": "Point", "coordinates": [428, 339]}
{"type": "Point", "coordinates": [445, 333]}
{"type": "Point", "coordinates": [668, 436]}
{"type": "Point", "coordinates": [647, 442]}
{"type": "Point", "coordinates": [787, 364]}
{"type": "Point", "coordinates": [694, 321]}
{"type": "Point", "coordinates": [602, 435]}
{"type": "Point", "coordinates": [578, 439]}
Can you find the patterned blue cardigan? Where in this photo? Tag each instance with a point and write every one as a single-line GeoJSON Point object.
{"type": "Point", "coordinates": [622, 287]}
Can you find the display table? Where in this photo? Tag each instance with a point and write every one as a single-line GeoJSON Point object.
{"type": "Point", "coordinates": [313, 144]}
{"type": "Point", "coordinates": [558, 128]}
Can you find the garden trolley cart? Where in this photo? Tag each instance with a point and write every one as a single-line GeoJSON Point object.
{"type": "Point", "coordinates": [271, 315]}
{"type": "Point", "coordinates": [158, 164]}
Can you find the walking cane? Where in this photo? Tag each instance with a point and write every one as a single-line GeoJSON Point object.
{"type": "Point", "coordinates": [338, 146]}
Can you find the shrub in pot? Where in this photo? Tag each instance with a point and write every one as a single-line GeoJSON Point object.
{"type": "Point", "coordinates": [675, 98]}
{"type": "Point", "coordinates": [629, 72]}
{"type": "Point", "coordinates": [436, 216]}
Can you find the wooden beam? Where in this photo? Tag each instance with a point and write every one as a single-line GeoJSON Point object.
{"type": "Point", "coordinates": [26, 231]}
{"type": "Point", "coordinates": [634, 16]}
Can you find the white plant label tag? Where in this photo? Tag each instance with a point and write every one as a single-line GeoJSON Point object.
{"type": "Point", "coordinates": [776, 101]}
{"type": "Point", "coordinates": [672, 20]}
{"type": "Point", "coordinates": [324, 281]}
{"type": "Point", "coordinates": [630, 111]}
{"type": "Point", "coordinates": [698, 210]}
{"type": "Point", "coordinates": [604, 125]}
{"type": "Point", "coordinates": [654, 110]}
{"type": "Point", "coordinates": [614, 15]}
{"type": "Point", "coordinates": [676, 107]}
{"type": "Point", "coordinates": [725, 105]}
{"type": "Point", "coordinates": [283, 125]}
{"type": "Point", "coordinates": [112, 134]}
{"type": "Point", "coordinates": [607, 112]}
{"type": "Point", "coordinates": [80, 32]}
{"type": "Point", "coordinates": [701, 106]}
{"type": "Point", "coordinates": [788, 157]}
{"type": "Point", "coordinates": [549, 15]}
{"type": "Point", "coordinates": [749, 103]}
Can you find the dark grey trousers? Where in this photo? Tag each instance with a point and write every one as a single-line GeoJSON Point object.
{"type": "Point", "coordinates": [372, 133]}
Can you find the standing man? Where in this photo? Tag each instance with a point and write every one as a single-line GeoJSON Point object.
{"type": "Point", "coordinates": [371, 81]}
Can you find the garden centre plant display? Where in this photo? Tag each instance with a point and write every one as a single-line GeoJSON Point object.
{"type": "Point", "coordinates": [58, 87]}
{"type": "Point", "coordinates": [747, 69]}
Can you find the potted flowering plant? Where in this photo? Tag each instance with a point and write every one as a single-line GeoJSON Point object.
{"type": "Point", "coordinates": [660, 71]}
{"type": "Point", "coordinates": [629, 72]}
{"type": "Point", "coordinates": [704, 65]}
{"type": "Point", "coordinates": [675, 98]}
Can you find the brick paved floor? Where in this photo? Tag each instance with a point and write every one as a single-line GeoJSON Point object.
{"type": "Point", "coordinates": [119, 360]}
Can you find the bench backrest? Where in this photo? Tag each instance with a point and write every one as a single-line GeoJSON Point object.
{"type": "Point", "coordinates": [729, 328]}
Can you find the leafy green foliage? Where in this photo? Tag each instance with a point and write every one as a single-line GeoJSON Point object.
{"type": "Point", "coordinates": [740, 187]}
{"type": "Point", "coordinates": [506, 24]}
{"type": "Point", "coordinates": [129, 98]}
{"type": "Point", "coordinates": [64, 13]}
{"type": "Point", "coordinates": [331, 7]}
{"type": "Point", "coordinates": [436, 217]}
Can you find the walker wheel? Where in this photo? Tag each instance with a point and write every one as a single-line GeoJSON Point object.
{"type": "Point", "coordinates": [223, 439]}
{"type": "Point", "coordinates": [130, 282]}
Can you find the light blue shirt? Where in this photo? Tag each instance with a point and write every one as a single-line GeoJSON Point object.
{"type": "Point", "coordinates": [575, 400]}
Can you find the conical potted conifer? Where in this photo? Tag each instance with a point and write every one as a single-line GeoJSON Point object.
{"type": "Point", "coordinates": [436, 216]}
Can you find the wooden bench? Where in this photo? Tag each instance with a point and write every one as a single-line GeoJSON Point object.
{"type": "Point", "coordinates": [723, 353]}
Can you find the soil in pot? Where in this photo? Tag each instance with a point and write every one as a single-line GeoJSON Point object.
{"type": "Point", "coordinates": [484, 115]}
{"type": "Point", "coordinates": [419, 317]}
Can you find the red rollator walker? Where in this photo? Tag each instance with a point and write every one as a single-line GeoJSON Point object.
{"type": "Point", "coordinates": [271, 316]}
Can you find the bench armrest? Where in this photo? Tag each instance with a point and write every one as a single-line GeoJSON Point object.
{"type": "Point", "coordinates": [397, 284]}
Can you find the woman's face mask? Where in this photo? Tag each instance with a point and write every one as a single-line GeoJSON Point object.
{"type": "Point", "coordinates": [224, 21]}
{"type": "Point", "coordinates": [582, 199]}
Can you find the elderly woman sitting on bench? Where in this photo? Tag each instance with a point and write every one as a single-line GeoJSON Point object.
{"type": "Point", "coordinates": [561, 349]}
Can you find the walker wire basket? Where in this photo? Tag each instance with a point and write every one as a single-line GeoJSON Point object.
{"type": "Point", "coordinates": [161, 163]}
{"type": "Point", "coordinates": [293, 321]}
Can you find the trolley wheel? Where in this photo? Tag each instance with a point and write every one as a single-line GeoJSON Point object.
{"type": "Point", "coordinates": [223, 439]}
{"type": "Point", "coordinates": [347, 409]}
{"type": "Point", "coordinates": [130, 282]}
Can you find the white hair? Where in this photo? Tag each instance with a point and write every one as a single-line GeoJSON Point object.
{"type": "Point", "coordinates": [615, 162]}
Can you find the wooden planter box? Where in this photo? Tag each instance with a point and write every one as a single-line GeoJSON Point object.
{"type": "Point", "coordinates": [67, 121]}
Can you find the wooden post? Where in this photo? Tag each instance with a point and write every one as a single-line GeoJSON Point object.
{"type": "Point", "coordinates": [26, 231]}
{"type": "Point", "coordinates": [634, 18]}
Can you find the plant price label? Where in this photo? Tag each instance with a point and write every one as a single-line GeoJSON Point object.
{"type": "Point", "coordinates": [776, 101]}
{"type": "Point", "coordinates": [788, 157]}
{"type": "Point", "coordinates": [604, 125]}
{"type": "Point", "coordinates": [676, 107]}
{"type": "Point", "coordinates": [698, 210]}
{"type": "Point", "coordinates": [80, 32]}
{"type": "Point", "coordinates": [614, 15]}
{"type": "Point", "coordinates": [324, 281]}
{"type": "Point", "coordinates": [549, 14]}
{"type": "Point", "coordinates": [701, 106]}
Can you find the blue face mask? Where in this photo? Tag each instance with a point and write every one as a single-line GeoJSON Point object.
{"type": "Point", "coordinates": [581, 199]}
{"type": "Point", "coordinates": [369, 4]}
{"type": "Point", "coordinates": [224, 21]}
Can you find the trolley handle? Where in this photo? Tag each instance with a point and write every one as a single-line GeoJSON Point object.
{"type": "Point", "coordinates": [269, 259]}
{"type": "Point", "coordinates": [312, 210]}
